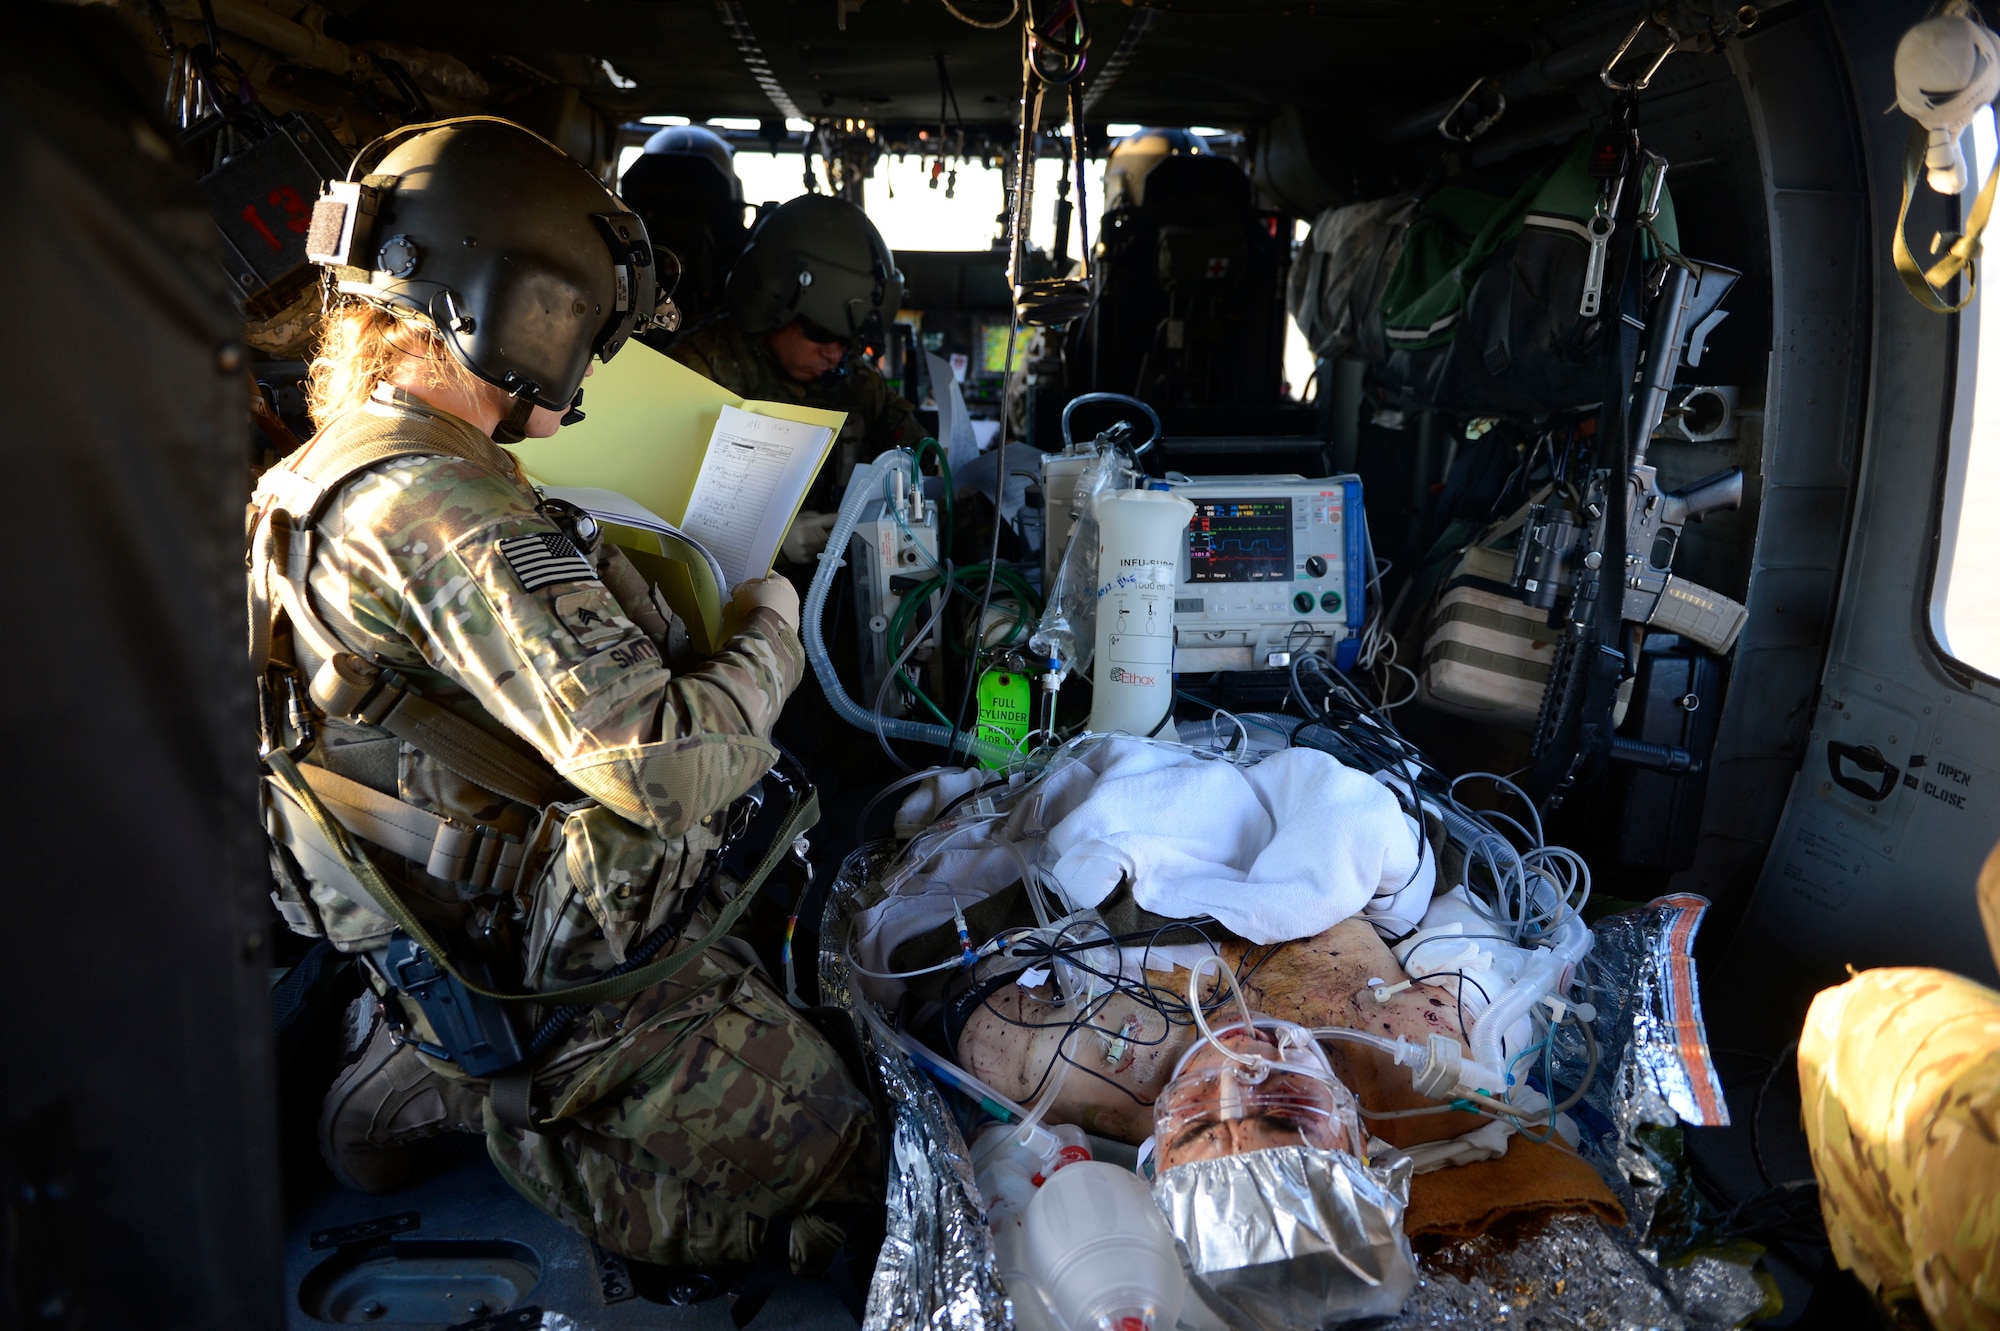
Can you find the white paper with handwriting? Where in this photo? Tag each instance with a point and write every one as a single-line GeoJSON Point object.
{"type": "Point", "coordinates": [751, 483]}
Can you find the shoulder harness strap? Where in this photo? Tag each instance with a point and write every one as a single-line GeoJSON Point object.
{"type": "Point", "coordinates": [289, 502]}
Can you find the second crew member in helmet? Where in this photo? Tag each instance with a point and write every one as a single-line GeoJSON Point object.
{"type": "Point", "coordinates": [685, 189]}
{"type": "Point", "coordinates": [465, 678]}
{"type": "Point", "coordinates": [814, 283]}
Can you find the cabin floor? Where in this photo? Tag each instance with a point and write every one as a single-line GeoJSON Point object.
{"type": "Point", "coordinates": [461, 1249]}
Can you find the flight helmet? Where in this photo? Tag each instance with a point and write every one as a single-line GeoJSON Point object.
{"type": "Point", "coordinates": [527, 265]}
{"type": "Point", "coordinates": [819, 259]}
{"type": "Point", "coordinates": [691, 141]}
{"type": "Point", "coordinates": [1133, 158]}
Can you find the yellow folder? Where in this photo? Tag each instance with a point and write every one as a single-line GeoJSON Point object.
{"type": "Point", "coordinates": [646, 428]}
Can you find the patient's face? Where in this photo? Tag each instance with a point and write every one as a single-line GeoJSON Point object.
{"type": "Point", "coordinates": [1206, 1117]}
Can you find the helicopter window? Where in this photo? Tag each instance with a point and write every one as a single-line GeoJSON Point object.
{"type": "Point", "coordinates": [1300, 385]}
{"type": "Point", "coordinates": [914, 216]}
{"type": "Point", "coordinates": [1965, 604]}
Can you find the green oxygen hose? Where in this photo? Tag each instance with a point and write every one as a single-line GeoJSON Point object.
{"type": "Point", "coordinates": [1027, 606]}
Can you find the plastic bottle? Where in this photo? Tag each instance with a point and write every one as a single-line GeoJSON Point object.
{"type": "Point", "coordinates": [1139, 534]}
{"type": "Point", "coordinates": [1100, 1253]}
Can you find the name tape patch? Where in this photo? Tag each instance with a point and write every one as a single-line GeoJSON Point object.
{"type": "Point", "coordinates": [545, 558]}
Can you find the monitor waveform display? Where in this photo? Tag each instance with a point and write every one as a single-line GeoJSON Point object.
{"type": "Point", "coordinates": [1240, 540]}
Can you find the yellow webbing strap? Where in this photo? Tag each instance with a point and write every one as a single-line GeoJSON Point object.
{"type": "Point", "coordinates": [801, 816]}
{"type": "Point", "coordinates": [1963, 256]}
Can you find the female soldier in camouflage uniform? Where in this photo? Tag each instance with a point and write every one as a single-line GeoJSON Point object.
{"type": "Point", "coordinates": [477, 689]}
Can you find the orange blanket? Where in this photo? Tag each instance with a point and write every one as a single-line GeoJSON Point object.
{"type": "Point", "coordinates": [1531, 1179]}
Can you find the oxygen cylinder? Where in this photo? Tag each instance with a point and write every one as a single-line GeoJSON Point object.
{"type": "Point", "coordinates": [1139, 534]}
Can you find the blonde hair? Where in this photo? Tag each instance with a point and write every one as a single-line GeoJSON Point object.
{"type": "Point", "coordinates": [361, 344]}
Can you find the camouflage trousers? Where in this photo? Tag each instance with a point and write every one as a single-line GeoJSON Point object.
{"type": "Point", "coordinates": [679, 1128]}
{"type": "Point", "coordinates": [1899, 1076]}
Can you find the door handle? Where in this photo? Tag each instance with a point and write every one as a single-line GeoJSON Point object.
{"type": "Point", "coordinates": [1869, 760]}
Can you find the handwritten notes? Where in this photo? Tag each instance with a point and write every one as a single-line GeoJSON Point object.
{"type": "Point", "coordinates": [751, 482]}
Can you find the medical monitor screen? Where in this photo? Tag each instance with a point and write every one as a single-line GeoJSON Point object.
{"type": "Point", "coordinates": [1240, 540]}
{"type": "Point", "coordinates": [994, 340]}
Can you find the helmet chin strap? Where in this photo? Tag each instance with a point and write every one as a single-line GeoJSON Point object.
{"type": "Point", "coordinates": [513, 427]}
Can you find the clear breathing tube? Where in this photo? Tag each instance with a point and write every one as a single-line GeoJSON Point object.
{"type": "Point", "coordinates": [1568, 944]}
{"type": "Point", "coordinates": [865, 484]}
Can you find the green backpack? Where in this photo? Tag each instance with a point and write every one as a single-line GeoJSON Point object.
{"type": "Point", "coordinates": [1483, 310]}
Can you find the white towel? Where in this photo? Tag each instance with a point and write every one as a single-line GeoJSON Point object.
{"type": "Point", "coordinates": [1282, 850]}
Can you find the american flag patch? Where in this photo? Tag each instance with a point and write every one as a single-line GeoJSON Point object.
{"type": "Point", "coordinates": [544, 559]}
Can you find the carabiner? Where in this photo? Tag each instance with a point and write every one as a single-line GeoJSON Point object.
{"type": "Point", "coordinates": [1480, 126]}
{"type": "Point", "coordinates": [1651, 186]}
{"type": "Point", "coordinates": [1640, 85]}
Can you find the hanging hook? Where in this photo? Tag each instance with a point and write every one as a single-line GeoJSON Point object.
{"type": "Point", "coordinates": [1479, 127]}
{"type": "Point", "coordinates": [1057, 299]}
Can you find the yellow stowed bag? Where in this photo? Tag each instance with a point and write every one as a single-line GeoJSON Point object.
{"type": "Point", "coordinates": [1899, 1070]}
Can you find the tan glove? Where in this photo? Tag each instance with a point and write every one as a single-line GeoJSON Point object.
{"type": "Point", "coordinates": [775, 592]}
{"type": "Point", "coordinates": [806, 537]}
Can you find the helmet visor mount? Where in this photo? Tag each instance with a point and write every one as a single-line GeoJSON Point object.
{"type": "Point", "coordinates": [636, 272]}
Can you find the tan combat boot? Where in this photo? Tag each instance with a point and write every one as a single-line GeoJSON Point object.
{"type": "Point", "coordinates": [384, 1102]}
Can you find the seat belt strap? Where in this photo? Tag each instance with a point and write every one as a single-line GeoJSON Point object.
{"type": "Point", "coordinates": [292, 827]}
{"type": "Point", "coordinates": [349, 687]}
{"type": "Point", "coordinates": [802, 814]}
{"type": "Point", "coordinates": [303, 484]}
{"type": "Point", "coordinates": [291, 499]}
{"type": "Point", "coordinates": [1962, 257]}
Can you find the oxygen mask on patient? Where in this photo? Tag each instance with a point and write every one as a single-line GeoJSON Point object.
{"type": "Point", "coordinates": [1251, 1086]}
{"type": "Point", "coordinates": [1261, 1175]}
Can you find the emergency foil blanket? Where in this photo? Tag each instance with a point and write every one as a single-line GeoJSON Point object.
{"type": "Point", "coordinates": [937, 1267]}
{"type": "Point", "coordinates": [1572, 1271]}
{"type": "Point", "coordinates": [1292, 1235]}
{"type": "Point", "coordinates": [1654, 1067]}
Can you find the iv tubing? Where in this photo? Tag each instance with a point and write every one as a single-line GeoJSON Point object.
{"type": "Point", "coordinates": [862, 487]}
{"type": "Point", "coordinates": [1049, 1093]}
{"type": "Point", "coordinates": [1225, 971]}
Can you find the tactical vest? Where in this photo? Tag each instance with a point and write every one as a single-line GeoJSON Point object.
{"type": "Point", "coordinates": [304, 674]}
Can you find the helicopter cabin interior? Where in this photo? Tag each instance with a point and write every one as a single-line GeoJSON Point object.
{"type": "Point", "coordinates": [1516, 295]}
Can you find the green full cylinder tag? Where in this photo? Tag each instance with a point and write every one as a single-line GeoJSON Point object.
{"type": "Point", "coordinates": [1003, 708]}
